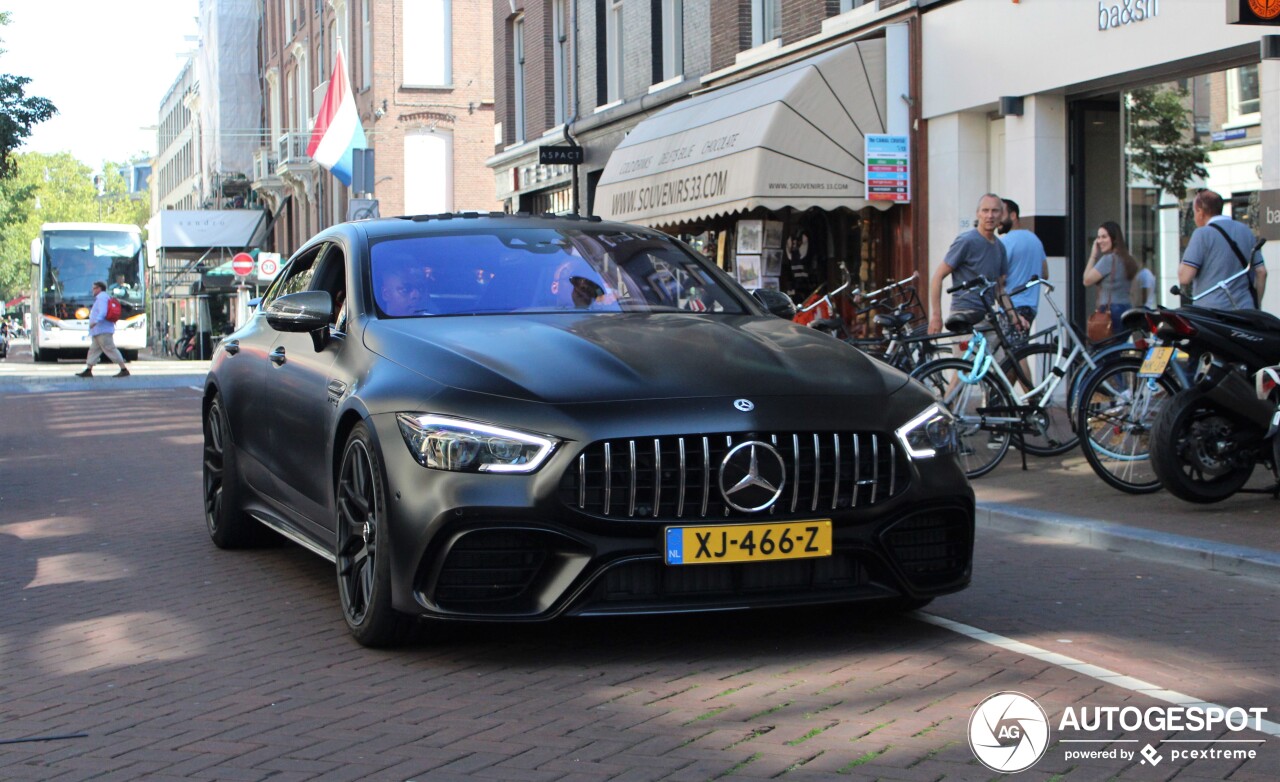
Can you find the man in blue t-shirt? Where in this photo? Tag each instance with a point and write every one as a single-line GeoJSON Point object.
{"type": "Point", "coordinates": [1209, 258]}
{"type": "Point", "coordinates": [1026, 260]}
{"type": "Point", "coordinates": [976, 252]}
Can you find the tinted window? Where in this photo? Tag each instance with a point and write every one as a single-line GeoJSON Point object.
{"type": "Point", "coordinates": [542, 270]}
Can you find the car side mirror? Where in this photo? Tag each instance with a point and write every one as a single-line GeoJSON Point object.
{"type": "Point", "coordinates": [308, 311]}
{"type": "Point", "coordinates": [776, 302]}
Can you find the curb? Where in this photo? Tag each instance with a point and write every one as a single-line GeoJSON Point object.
{"type": "Point", "coordinates": [1132, 541]}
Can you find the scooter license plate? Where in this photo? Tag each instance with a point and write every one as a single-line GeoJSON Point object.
{"type": "Point", "coordinates": [1155, 363]}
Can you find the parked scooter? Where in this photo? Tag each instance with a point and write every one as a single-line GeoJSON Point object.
{"type": "Point", "coordinates": [1207, 439]}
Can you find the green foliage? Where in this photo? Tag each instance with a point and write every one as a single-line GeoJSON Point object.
{"type": "Point", "coordinates": [18, 113]}
{"type": "Point", "coordinates": [55, 189]}
{"type": "Point", "coordinates": [1161, 146]}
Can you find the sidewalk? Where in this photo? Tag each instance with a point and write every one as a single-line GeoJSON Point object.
{"type": "Point", "coordinates": [1061, 498]}
{"type": "Point", "coordinates": [18, 375]}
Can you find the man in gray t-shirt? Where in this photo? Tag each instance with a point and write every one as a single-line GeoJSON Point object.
{"type": "Point", "coordinates": [1209, 258]}
{"type": "Point", "coordinates": [974, 253]}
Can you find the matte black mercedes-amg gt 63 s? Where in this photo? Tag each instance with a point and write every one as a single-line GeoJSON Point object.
{"type": "Point", "coordinates": [519, 418]}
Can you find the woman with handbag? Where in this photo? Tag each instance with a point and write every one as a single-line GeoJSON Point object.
{"type": "Point", "coordinates": [1114, 269]}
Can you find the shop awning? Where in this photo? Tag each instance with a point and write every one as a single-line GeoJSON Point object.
{"type": "Point", "coordinates": [206, 228]}
{"type": "Point", "coordinates": [792, 137]}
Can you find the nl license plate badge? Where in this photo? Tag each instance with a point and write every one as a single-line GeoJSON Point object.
{"type": "Point", "coordinates": [709, 545]}
{"type": "Point", "coordinates": [1156, 361]}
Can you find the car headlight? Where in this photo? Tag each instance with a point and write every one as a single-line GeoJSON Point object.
{"type": "Point", "coordinates": [931, 433]}
{"type": "Point", "coordinates": [49, 325]}
{"type": "Point", "coordinates": [444, 443]}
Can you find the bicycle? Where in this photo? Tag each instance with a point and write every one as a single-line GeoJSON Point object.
{"type": "Point", "coordinates": [985, 400]}
{"type": "Point", "coordinates": [904, 343]}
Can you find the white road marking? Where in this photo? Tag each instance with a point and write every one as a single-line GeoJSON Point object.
{"type": "Point", "coordinates": [1079, 666]}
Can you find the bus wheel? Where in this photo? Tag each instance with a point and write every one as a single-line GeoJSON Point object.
{"type": "Point", "coordinates": [45, 356]}
{"type": "Point", "coordinates": [129, 355]}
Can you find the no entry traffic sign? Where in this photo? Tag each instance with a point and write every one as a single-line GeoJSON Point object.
{"type": "Point", "coordinates": [242, 264]}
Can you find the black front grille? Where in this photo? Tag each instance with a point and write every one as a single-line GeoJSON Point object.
{"type": "Point", "coordinates": [933, 548]}
{"type": "Point", "coordinates": [677, 477]}
{"type": "Point", "coordinates": [651, 581]}
{"type": "Point", "coordinates": [489, 566]}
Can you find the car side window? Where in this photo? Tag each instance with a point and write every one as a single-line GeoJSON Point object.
{"type": "Point", "coordinates": [331, 276]}
{"type": "Point", "coordinates": [295, 277]}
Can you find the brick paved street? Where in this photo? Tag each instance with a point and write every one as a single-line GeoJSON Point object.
{"type": "Point", "coordinates": [142, 651]}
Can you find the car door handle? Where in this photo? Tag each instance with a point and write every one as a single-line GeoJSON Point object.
{"type": "Point", "coordinates": [231, 346]}
{"type": "Point", "coordinates": [277, 356]}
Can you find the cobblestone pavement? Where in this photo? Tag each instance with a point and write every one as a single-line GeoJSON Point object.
{"type": "Point", "coordinates": [138, 650]}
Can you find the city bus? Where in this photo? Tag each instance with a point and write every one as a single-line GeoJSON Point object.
{"type": "Point", "coordinates": [66, 259]}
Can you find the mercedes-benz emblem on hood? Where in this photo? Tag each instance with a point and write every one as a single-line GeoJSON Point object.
{"type": "Point", "coordinates": [752, 475]}
{"type": "Point", "coordinates": [745, 405]}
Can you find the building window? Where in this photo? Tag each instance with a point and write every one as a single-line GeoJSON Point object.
{"type": "Point", "coordinates": [428, 43]}
{"type": "Point", "coordinates": [517, 62]}
{"type": "Point", "coordinates": [560, 59]}
{"type": "Point", "coordinates": [1243, 100]}
{"type": "Point", "coordinates": [849, 5]}
{"type": "Point", "coordinates": [672, 39]}
{"type": "Point", "coordinates": [366, 45]}
{"type": "Point", "coordinates": [766, 16]}
{"type": "Point", "coordinates": [428, 166]}
{"type": "Point", "coordinates": [614, 50]}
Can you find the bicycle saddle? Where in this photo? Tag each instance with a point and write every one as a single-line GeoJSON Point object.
{"type": "Point", "coordinates": [958, 324]}
{"type": "Point", "coordinates": [892, 320]}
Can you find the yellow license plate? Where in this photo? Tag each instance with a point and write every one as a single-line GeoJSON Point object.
{"type": "Point", "coordinates": [705, 545]}
{"type": "Point", "coordinates": [1155, 363]}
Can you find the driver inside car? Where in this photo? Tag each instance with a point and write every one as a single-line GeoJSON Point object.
{"type": "Point", "coordinates": [578, 286]}
{"type": "Point", "coordinates": [402, 292]}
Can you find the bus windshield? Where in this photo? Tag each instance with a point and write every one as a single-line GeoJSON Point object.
{"type": "Point", "coordinates": [75, 259]}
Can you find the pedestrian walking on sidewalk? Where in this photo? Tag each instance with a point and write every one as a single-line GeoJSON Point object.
{"type": "Point", "coordinates": [1219, 248]}
{"type": "Point", "coordinates": [1026, 260]}
{"type": "Point", "coordinates": [1113, 269]}
{"type": "Point", "coordinates": [102, 332]}
{"type": "Point", "coordinates": [976, 252]}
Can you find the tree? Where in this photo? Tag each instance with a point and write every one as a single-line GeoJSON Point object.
{"type": "Point", "coordinates": [56, 189]}
{"type": "Point", "coordinates": [18, 113]}
{"type": "Point", "coordinates": [1161, 146]}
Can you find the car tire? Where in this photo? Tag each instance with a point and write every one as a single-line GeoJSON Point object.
{"type": "Point", "coordinates": [362, 548]}
{"type": "Point", "coordinates": [229, 526]}
{"type": "Point", "coordinates": [129, 355]}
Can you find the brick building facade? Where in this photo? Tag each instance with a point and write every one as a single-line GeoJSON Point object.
{"type": "Point", "coordinates": [721, 43]}
{"type": "Point", "coordinates": [422, 78]}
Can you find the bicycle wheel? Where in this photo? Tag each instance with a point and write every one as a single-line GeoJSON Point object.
{"type": "Point", "coordinates": [1116, 413]}
{"type": "Point", "coordinates": [980, 449]}
{"type": "Point", "coordinates": [1055, 435]}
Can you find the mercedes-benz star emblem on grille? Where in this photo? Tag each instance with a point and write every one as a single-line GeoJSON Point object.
{"type": "Point", "coordinates": [752, 475]}
{"type": "Point", "coordinates": [745, 405]}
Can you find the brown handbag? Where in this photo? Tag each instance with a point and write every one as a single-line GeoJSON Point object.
{"type": "Point", "coordinates": [1098, 326]}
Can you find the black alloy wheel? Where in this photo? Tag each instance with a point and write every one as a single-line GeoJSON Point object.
{"type": "Point", "coordinates": [364, 577]}
{"type": "Point", "coordinates": [229, 526]}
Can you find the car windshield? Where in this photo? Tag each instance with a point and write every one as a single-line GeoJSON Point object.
{"type": "Point", "coordinates": [542, 270]}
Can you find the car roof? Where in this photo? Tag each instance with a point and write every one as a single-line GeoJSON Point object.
{"type": "Point", "coordinates": [417, 225]}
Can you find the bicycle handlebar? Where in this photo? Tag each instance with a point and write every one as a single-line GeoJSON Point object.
{"type": "Point", "coordinates": [1031, 283]}
{"type": "Point", "coordinates": [977, 282]}
{"type": "Point", "coordinates": [886, 289]}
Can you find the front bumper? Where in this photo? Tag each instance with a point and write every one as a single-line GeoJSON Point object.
{"type": "Point", "coordinates": [520, 547]}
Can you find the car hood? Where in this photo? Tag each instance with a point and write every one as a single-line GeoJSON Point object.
{"type": "Point", "coordinates": [573, 358]}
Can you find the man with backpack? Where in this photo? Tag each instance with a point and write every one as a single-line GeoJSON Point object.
{"type": "Point", "coordinates": [1219, 248]}
{"type": "Point", "coordinates": [102, 330]}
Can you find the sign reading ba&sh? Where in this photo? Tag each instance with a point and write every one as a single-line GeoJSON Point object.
{"type": "Point", "coordinates": [888, 168]}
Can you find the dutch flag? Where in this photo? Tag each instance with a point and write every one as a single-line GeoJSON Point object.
{"type": "Point", "coordinates": [337, 130]}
